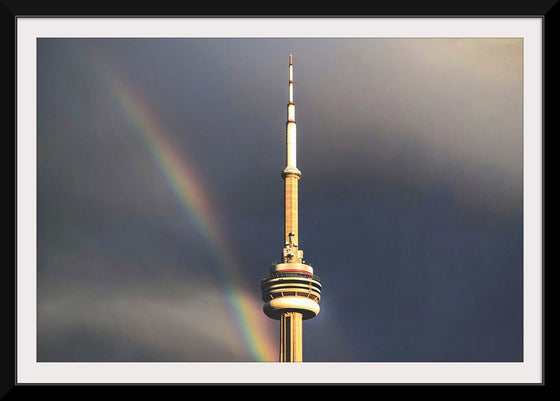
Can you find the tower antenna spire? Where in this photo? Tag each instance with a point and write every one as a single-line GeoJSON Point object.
{"type": "Point", "coordinates": [291, 292]}
{"type": "Point", "coordinates": [291, 175]}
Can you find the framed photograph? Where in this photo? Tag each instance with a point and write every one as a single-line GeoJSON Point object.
{"type": "Point", "coordinates": [172, 227]}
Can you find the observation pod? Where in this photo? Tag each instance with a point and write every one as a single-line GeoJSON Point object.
{"type": "Point", "coordinates": [291, 287]}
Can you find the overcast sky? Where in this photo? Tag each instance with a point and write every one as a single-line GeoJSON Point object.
{"type": "Point", "coordinates": [160, 200]}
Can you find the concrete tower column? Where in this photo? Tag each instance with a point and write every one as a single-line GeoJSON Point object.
{"type": "Point", "coordinates": [291, 237]}
{"type": "Point", "coordinates": [291, 337]}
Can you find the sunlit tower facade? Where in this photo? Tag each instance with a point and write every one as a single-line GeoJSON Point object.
{"type": "Point", "coordinates": [291, 291]}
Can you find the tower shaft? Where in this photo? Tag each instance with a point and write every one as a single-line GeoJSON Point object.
{"type": "Point", "coordinates": [291, 236]}
{"type": "Point", "coordinates": [291, 337]}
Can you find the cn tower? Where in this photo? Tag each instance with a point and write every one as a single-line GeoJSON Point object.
{"type": "Point", "coordinates": [291, 291]}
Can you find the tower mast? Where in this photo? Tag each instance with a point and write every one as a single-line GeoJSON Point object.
{"type": "Point", "coordinates": [291, 292]}
{"type": "Point", "coordinates": [291, 176]}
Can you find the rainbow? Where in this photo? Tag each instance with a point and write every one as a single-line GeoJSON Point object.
{"type": "Point", "coordinates": [196, 203]}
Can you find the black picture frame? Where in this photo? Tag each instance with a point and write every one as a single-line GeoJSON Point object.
{"type": "Point", "coordinates": [12, 10]}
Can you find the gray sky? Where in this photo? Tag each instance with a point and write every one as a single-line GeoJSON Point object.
{"type": "Point", "coordinates": [160, 201]}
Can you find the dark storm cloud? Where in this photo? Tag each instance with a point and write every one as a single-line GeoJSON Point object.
{"type": "Point", "coordinates": [410, 208]}
{"type": "Point", "coordinates": [137, 321]}
{"type": "Point", "coordinates": [419, 112]}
